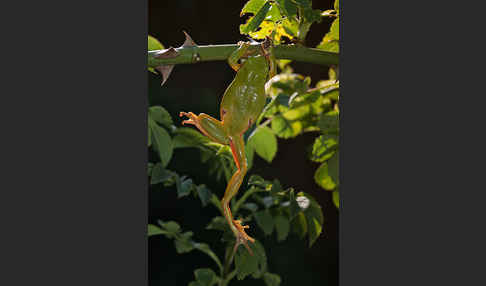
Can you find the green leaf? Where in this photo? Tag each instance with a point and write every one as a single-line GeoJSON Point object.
{"type": "Point", "coordinates": [285, 128]}
{"type": "Point", "coordinates": [329, 122]}
{"type": "Point", "coordinates": [329, 45]}
{"type": "Point", "coordinates": [265, 221]}
{"type": "Point", "coordinates": [271, 279]}
{"type": "Point", "coordinates": [264, 143]}
{"type": "Point", "coordinates": [252, 6]}
{"type": "Point", "coordinates": [188, 137]}
{"type": "Point", "coordinates": [183, 243]}
{"type": "Point", "coordinates": [288, 8]}
{"type": "Point", "coordinates": [184, 186]}
{"type": "Point", "coordinates": [334, 31]}
{"type": "Point", "coordinates": [255, 21]}
{"type": "Point", "coordinates": [154, 230]}
{"type": "Point", "coordinates": [324, 147]}
{"type": "Point", "coordinates": [258, 181]}
{"type": "Point", "coordinates": [323, 179]}
{"type": "Point", "coordinates": [294, 208]}
{"type": "Point", "coordinates": [247, 264]}
{"type": "Point", "coordinates": [282, 226]}
{"type": "Point", "coordinates": [335, 198]}
{"type": "Point", "coordinates": [195, 283]}
{"type": "Point", "coordinates": [171, 226]}
{"type": "Point", "coordinates": [299, 225]}
{"type": "Point", "coordinates": [154, 44]}
{"type": "Point", "coordinates": [333, 168]}
{"type": "Point", "coordinates": [205, 276]}
{"type": "Point", "coordinates": [218, 223]}
{"type": "Point", "coordinates": [273, 14]}
{"type": "Point", "coordinates": [163, 142]}
{"type": "Point", "coordinates": [160, 174]}
{"type": "Point", "coordinates": [314, 218]}
{"type": "Point", "coordinates": [161, 116]}
{"type": "Point", "coordinates": [204, 194]}
{"type": "Point", "coordinates": [250, 153]}
{"type": "Point", "coordinates": [336, 5]}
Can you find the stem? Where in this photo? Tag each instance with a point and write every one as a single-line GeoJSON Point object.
{"type": "Point", "coordinates": [245, 196]}
{"type": "Point", "coordinates": [226, 277]}
{"type": "Point", "coordinates": [195, 54]}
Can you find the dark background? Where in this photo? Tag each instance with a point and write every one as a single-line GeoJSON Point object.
{"type": "Point", "coordinates": [74, 179]}
{"type": "Point", "coordinates": [199, 88]}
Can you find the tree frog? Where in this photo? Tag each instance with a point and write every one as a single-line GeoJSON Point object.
{"type": "Point", "coordinates": [242, 103]}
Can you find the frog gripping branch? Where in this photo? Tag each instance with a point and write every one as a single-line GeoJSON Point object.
{"type": "Point", "coordinates": [242, 103]}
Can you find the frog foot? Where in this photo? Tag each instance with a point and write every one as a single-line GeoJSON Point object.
{"type": "Point", "coordinates": [192, 118]}
{"type": "Point", "coordinates": [242, 237]}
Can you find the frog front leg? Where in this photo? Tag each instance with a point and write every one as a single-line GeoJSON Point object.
{"type": "Point", "coordinates": [237, 55]}
{"type": "Point", "coordinates": [208, 125]}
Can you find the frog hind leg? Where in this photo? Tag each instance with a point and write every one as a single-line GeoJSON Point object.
{"type": "Point", "coordinates": [208, 125]}
{"type": "Point", "coordinates": [238, 151]}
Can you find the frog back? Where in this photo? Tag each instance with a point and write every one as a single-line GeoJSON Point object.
{"type": "Point", "coordinates": [245, 97]}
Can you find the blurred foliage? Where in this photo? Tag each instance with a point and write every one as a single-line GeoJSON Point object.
{"type": "Point", "coordinates": [294, 107]}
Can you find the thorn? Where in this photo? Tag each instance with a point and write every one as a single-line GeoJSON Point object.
{"type": "Point", "coordinates": [189, 42]}
{"type": "Point", "coordinates": [165, 70]}
{"type": "Point", "coordinates": [167, 54]}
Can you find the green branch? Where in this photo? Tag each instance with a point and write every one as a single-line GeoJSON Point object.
{"type": "Point", "coordinates": [195, 54]}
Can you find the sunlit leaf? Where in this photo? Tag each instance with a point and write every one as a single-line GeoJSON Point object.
{"type": "Point", "coordinates": [323, 179]}
{"type": "Point", "coordinates": [252, 6]}
{"type": "Point", "coordinates": [335, 198]}
{"type": "Point", "coordinates": [324, 147]}
{"type": "Point", "coordinates": [264, 143]}
{"type": "Point", "coordinates": [255, 21]}
{"type": "Point", "coordinates": [285, 128]}
{"type": "Point", "coordinates": [154, 44]}
{"type": "Point", "coordinates": [333, 167]}
{"type": "Point", "coordinates": [334, 31]}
